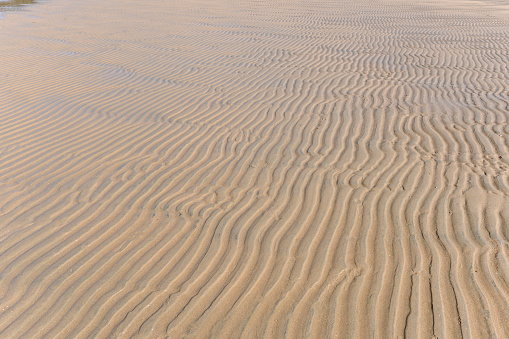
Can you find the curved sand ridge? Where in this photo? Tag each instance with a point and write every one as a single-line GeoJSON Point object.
{"type": "Point", "coordinates": [264, 169]}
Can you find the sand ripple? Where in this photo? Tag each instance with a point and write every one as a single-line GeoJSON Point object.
{"type": "Point", "coordinates": [266, 169]}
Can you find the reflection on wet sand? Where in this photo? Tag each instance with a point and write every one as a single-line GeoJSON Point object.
{"type": "Point", "coordinates": [14, 4]}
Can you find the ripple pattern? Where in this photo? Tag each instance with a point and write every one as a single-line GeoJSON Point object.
{"type": "Point", "coordinates": [199, 168]}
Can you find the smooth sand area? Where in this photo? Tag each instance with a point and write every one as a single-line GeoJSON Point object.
{"type": "Point", "coordinates": [258, 168]}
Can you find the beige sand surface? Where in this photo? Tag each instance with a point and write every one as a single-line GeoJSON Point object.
{"type": "Point", "coordinates": [254, 168]}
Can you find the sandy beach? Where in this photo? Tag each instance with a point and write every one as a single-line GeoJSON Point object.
{"type": "Point", "coordinates": [254, 169]}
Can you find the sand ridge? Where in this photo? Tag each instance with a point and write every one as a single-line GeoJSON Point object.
{"type": "Point", "coordinates": [254, 169]}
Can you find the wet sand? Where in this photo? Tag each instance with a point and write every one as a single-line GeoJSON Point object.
{"type": "Point", "coordinates": [296, 169]}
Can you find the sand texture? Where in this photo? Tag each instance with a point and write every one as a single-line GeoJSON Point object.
{"type": "Point", "coordinates": [256, 169]}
